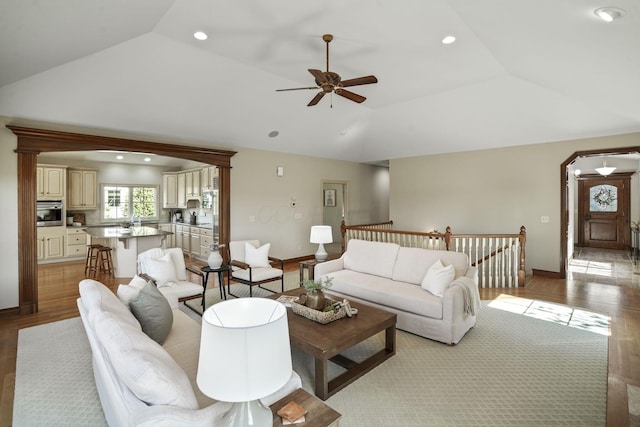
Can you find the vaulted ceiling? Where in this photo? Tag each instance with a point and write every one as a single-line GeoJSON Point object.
{"type": "Point", "coordinates": [520, 72]}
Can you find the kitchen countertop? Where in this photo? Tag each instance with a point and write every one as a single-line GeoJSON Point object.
{"type": "Point", "coordinates": [125, 233]}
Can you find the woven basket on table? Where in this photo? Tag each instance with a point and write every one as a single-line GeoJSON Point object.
{"type": "Point", "coordinates": [323, 317]}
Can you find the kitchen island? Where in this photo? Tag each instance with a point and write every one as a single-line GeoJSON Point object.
{"type": "Point", "coordinates": [127, 243]}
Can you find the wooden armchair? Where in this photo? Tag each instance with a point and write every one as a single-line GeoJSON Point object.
{"type": "Point", "coordinates": [251, 265]}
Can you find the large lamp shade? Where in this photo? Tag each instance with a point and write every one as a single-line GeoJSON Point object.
{"type": "Point", "coordinates": [245, 352]}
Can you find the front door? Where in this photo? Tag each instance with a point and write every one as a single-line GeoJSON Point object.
{"type": "Point", "coordinates": [604, 212]}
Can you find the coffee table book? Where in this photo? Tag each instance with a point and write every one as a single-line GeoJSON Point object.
{"type": "Point", "coordinates": [319, 414]}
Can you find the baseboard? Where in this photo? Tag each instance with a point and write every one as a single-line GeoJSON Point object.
{"type": "Point", "coordinates": [9, 312]}
{"type": "Point", "coordinates": [545, 273]}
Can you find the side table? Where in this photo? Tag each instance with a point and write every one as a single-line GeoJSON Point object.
{"type": "Point", "coordinates": [319, 414]}
{"type": "Point", "coordinates": [205, 278]}
{"type": "Point", "coordinates": [309, 265]}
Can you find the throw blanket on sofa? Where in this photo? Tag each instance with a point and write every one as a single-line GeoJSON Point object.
{"type": "Point", "coordinates": [471, 294]}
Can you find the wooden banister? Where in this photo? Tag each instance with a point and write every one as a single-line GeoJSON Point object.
{"type": "Point", "coordinates": [500, 258]}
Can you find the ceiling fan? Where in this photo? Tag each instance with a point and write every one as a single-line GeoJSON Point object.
{"type": "Point", "coordinates": [330, 82]}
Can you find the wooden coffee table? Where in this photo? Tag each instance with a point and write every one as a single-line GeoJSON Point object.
{"type": "Point", "coordinates": [326, 342]}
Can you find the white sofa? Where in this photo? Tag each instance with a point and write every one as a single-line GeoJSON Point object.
{"type": "Point", "coordinates": [393, 278]}
{"type": "Point", "coordinates": [143, 383]}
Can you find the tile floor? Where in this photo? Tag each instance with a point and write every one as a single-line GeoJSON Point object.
{"type": "Point", "coordinates": [606, 266]}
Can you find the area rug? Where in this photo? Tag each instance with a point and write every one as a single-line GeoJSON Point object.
{"type": "Point", "coordinates": [509, 370]}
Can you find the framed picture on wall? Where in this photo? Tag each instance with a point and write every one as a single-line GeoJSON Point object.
{"type": "Point", "coordinates": [330, 198]}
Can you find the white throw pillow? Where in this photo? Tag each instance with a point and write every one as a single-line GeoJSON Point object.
{"type": "Point", "coordinates": [143, 365]}
{"type": "Point", "coordinates": [162, 270]}
{"type": "Point", "coordinates": [137, 282]}
{"type": "Point", "coordinates": [438, 277]}
{"type": "Point", "coordinates": [257, 257]}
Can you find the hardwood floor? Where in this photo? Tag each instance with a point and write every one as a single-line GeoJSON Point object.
{"type": "Point", "coordinates": [58, 291]}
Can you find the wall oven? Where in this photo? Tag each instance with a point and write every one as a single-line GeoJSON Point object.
{"type": "Point", "coordinates": [49, 213]}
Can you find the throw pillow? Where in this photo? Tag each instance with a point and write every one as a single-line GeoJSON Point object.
{"type": "Point", "coordinates": [143, 365]}
{"type": "Point", "coordinates": [438, 277]}
{"type": "Point", "coordinates": [153, 312]}
{"type": "Point", "coordinates": [257, 257]}
{"type": "Point", "coordinates": [162, 270]}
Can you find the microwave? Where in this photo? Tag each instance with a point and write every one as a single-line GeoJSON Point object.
{"type": "Point", "coordinates": [49, 213]}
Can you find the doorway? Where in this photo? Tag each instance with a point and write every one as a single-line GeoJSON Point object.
{"type": "Point", "coordinates": [334, 194]}
{"type": "Point", "coordinates": [568, 211]}
{"type": "Point", "coordinates": [604, 212]}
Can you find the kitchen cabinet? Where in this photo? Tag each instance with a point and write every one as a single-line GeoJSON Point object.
{"type": "Point", "coordinates": [209, 176]}
{"type": "Point", "coordinates": [180, 238]}
{"type": "Point", "coordinates": [50, 182]}
{"type": "Point", "coordinates": [83, 189]}
{"type": "Point", "coordinates": [170, 190]}
{"type": "Point", "coordinates": [50, 242]}
{"type": "Point", "coordinates": [206, 240]}
{"type": "Point", "coordinates": [194, 242]}
{"type": "Point", "coordinates": [192, 184]}
{"type": "Point", "coordinates": [182, 190]}
{"type": "Point", "coordinates": [76, 242]}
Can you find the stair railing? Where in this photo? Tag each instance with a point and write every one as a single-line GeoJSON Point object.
{"type": "Point", "coordinates": [500, 258]}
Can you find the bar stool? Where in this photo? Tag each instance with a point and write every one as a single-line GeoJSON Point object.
{"type": "Point", "coordinates": [105, 263]}
{"type": "Point", "coordinates": [91, 263]}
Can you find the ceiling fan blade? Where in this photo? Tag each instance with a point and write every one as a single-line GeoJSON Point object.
{"type": "Point", "coordinates": [367, 80]}
{"type": "Point", "coordinates": [350, 95]}
{"type": "Point", "coordinates": [316, 99]}
{"type": "Point", "coordinates": [296, 88]}
{"type": "Point", "coordinates": [318, 75]}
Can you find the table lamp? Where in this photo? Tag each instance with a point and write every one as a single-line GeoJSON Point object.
{"type": "Point", "coordinates": [245, 355]}
{"type": "Point", "coordinates": [321, 234]}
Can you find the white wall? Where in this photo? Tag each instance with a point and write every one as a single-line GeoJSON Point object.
{"type": "Point", "coordinates": [9, 223]}
{"type": "Point", "coordinates": [261, 201]}
{"type": "Point", "coordinates": [491, 191]}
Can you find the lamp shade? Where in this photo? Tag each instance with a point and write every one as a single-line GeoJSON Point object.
{"type": "Point", "coordinates": [245, 352]}
{"type": "Point", "coordinates": [321, 234]}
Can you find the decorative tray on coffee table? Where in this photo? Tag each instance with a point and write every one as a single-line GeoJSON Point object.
{"type": "Point", "coordinates": [323, 317]}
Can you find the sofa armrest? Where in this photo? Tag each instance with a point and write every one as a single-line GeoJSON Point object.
{"type": "Point", "coordinates": [322, 268]}
{"type": "Point", "coordinates": [472, 273]}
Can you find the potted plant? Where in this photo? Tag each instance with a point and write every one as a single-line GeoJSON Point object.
{"type": "Point", "coordinates": [315, 292]}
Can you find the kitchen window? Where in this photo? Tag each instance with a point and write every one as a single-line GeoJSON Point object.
{"type": "Point", "coordinates": [125, 202]}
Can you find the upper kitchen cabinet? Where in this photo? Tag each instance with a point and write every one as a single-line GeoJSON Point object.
{"type": "Point", "coordinates": [192, 184]}
{"type": "Point", "coordinates": [209, 175]}
{"type": "Point", "coordinates": [169, 190]}
{"type": "Point", "coordinates": [83, 189]}
{"type": "Point", "coordinates": [50, 181]}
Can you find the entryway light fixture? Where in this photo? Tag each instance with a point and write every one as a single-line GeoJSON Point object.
{"type": "Point", "coordinates": [605, 170]}
{"type": "Point", "coordinates": [608, 14]}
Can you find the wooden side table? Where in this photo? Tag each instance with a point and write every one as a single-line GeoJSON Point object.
{"type": "Point", "coordinates": [319, 414]}
{"type": "Point", "coordinates": [309, 265]}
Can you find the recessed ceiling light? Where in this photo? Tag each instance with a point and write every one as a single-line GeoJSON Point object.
{"type": "Point", "coordinates": [147, 159]}
{"type": "Point", "coordinates": [273, 134]}
{"type": "Point", "coordinates": [119, 157]}
{"type": "Point", "coordinates": [608, 14]}
{"type": "Point", "coordinates": [448, 39]}
{"type": "Point", "coordinates": [200, 35]}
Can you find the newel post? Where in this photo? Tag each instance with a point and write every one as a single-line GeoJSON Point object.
{"type": "Point", "coordinates": [447, 237]}
{"type": "Point", "coordinates": [523, 240]}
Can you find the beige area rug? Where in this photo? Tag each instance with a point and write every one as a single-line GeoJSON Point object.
{"type": "Point", "coordinates": [510, 370]}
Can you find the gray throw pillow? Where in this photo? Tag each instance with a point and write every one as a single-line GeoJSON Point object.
{"type": "Point", "coordinates": [153, 312]}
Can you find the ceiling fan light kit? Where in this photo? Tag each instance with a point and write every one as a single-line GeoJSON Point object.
{"type": "Point", "coordinates": [330, 82]}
